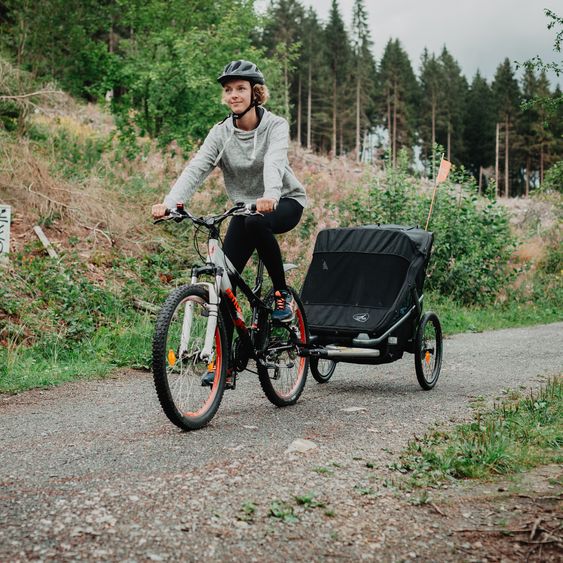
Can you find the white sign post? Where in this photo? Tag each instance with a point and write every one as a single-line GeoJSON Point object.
{"type": "Point", "coordinates": [5, 213]}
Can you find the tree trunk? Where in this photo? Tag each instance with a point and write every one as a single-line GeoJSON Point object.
{"type": "Point", "coordinates": [111, 49]}
{"type": "Point", "coordinates": [541, 163]}
{"type": "Point", "coordinates": [506, 167]}
{"type": "Point", "coordinates": [299, 110]}
{"type": "Point", "coordinates": [358, 89]}
{"type": "Point", "coordinates": [480, 179]}
{"type": "Point", "coordinates": [497, 140]}
{"type": "Point", "coordinates": [433, 137]}
{"type": "Point", "coordinates": [527, 177]}
{"type": "Point", "coordinates": [390, 132]}
{"type": "Point", "coordinates": [449, 141]}
{"type": "Point", "coordinates": [21, 37]}
{"type": "Point", "coordinates": [309, 110]}
{"type": "Point", "coordinates": [395, 123]}
{"type": "Point", "coordinates": [286, 87]}
{"type": "Point", "coordinates": [334, 116]}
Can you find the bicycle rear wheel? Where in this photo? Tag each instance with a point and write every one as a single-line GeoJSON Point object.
{"type": "Point", "coordinates": [282, 372]}
{"type": "Point", "coordinates": [178, 369]}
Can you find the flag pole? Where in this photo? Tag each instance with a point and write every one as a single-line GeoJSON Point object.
{"type": "Point", "coordinates": [443, 172]}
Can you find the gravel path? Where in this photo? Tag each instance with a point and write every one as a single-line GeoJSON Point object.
{"type": "Point", "coordinates": [94, 471]}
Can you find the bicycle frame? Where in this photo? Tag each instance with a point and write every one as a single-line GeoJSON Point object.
{"type": "Point", "coordinates": [220, 267]}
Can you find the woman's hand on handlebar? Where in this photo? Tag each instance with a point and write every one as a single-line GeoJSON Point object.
{"type": "Point", "coordinates": [264, 205]}
{"type": "Point", "coordinates": [159, 211]}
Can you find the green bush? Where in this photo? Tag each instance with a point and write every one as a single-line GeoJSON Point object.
{"type": "Point", "coordinates": [472, 243]}
{"type": "Point", "coordinates": [76, 157]}
{"type": "Point", "coordinates": [553, 179]}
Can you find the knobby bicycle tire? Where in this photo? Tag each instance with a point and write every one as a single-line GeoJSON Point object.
{"type": "Point", "coordinates": [280, 385]}
{"type": "Point", "coordinates": [178, 376]}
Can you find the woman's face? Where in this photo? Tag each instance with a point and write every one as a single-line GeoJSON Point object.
{"type": "Point", "coordinates": [237, 95]}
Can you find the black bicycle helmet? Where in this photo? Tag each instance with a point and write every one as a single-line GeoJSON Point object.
{"type": "Point", "coordinates": [243, 70]}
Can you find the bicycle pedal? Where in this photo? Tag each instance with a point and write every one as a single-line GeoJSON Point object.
{"type": "Point", "coordinates": [231, 382]}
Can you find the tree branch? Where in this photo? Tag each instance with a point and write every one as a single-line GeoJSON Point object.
{"type": "Point", "coordinates": [31, 94]}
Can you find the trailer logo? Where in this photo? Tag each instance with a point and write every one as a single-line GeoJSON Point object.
{"type": "Point", "coordinates": [361, 317]}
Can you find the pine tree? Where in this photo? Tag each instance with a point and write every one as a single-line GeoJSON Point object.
{"type": "Point", "coordinates": [507, 101]}
{"type": "Point", "coordinates": [282, 37]}
{"type": "Point", "coordinates": [432, 101]}
{"type": "Point", "coordinates": [454, 104]}
{"type": "Point", "coordinates": [364, 65]}
{"type": "Point", "coordinates": [313, 67]}
{"type": "Point", "coordinates": [480, 119]}
{"type": "Point", "coordinates": [398, 97]}
{"type": "Point", "coordinates": [527, 129]}
{"type": "Point", "coordinates": [337, 48]}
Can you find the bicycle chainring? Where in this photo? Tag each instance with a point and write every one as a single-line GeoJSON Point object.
{"type": "Point", "coordinates": [240, 355]}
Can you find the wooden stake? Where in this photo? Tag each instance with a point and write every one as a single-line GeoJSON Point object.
{"type": "Point", "coordinates": [45, 241]}
{"type": "Point", "coordinates": [433, 197]}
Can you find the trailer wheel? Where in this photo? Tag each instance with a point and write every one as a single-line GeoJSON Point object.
{"type": "Point", "coordinates": [428, 350]}
{"type": "Point", "coordinates": [322, 369]}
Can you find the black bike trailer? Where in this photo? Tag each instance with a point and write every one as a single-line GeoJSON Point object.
{"type": "Point", "coordinates": [363, 297]}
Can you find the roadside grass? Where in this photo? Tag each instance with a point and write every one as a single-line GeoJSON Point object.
{"type": "Point", "coordinates": [456, 318]}
{"type": "Point", "coordinates": [128, 344]}
{"type": "Point", "coordinates": [515, 435]}
{"type": "Point", "coordinates": [100, 330]}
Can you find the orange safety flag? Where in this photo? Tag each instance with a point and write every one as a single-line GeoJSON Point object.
{"type": "Point", "coordinates": [445, 166]}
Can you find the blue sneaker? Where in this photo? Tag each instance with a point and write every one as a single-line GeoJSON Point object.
{"type": "Point", "coordinates": [208, 379]}
{"type": "Point", "coordinates": [230, 381]}
{"type": "Point", "coordinates": [283, 307]}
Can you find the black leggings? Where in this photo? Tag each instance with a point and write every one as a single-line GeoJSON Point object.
{"type": "Point", "coordinates": [245, 234]}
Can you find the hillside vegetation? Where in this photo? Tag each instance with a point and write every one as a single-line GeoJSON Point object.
{"type": "Point", "coordinates": [84, 313]}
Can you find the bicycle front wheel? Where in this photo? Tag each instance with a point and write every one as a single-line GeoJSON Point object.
{"type": "Point", "coordinates": [282, 372]}
{"type": "Point", "coordinates": [189, 387]}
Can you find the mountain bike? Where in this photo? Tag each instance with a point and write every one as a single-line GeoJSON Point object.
{"type": "Point", "coordinates": [190, 339]}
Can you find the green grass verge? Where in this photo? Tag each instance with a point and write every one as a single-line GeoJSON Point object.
{"type": "Point", "coordinates": [125, 345]}
{"type": "Point", "coordinates": [517, 434]}
{"type": "Point", "coordinates": [128, 343]}
{"type": "Point", "coordinates": [456, 318]}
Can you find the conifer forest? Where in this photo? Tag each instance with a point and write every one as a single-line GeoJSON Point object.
{"type": "Point", "coordinates": [154, 63]}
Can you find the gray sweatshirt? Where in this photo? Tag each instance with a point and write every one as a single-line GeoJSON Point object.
{"type": "Point", "coordinates": [254, 163]}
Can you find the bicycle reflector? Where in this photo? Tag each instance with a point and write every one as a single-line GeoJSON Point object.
{"type": "Point", "coordinates": [171, 357]}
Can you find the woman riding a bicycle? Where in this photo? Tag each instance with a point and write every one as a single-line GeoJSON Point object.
{"type": "Point", "coordinates": [250, 146]}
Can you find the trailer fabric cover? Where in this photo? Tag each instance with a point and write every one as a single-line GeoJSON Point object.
{"type": "Point", "coordinates": [360, 278]}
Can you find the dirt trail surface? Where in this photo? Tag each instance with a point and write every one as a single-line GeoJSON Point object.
{"type": "Point", "coordinates": [94, 471]}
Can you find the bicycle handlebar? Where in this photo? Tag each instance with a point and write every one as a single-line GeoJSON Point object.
{"type": "Point", "coordinates": [179, 214]}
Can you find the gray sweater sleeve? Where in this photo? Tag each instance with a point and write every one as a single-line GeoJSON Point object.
{"type": "Point", "coordinates": [195, 172]}
{"type": "Point", "coordinates": [275, 160]}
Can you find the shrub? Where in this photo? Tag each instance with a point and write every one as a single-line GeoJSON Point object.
{"type": "Point", "coordinates": [472, 244]}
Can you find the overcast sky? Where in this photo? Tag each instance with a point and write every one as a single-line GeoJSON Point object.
{"type": "Point", "coordinates": [478, 33]}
